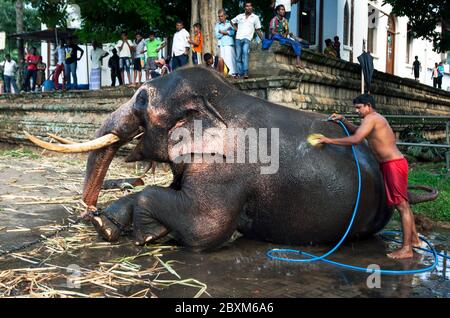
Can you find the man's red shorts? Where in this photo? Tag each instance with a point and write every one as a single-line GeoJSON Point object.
{"type": "Point", "coordinates": [395, 174]}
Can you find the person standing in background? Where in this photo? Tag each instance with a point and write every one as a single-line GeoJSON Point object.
{"type": "Point", "coordinates": [197, 44]}
{"type": "Point", "coordinates": [434, 75]}
{"type": "Point", "coordinates": [417, 68]}
{"type": "Point", "coordinates": [40, 77]}
{"type": "Point", "coordinates": [337, 46]}
{"type": "Point", "coordinates": [71, 62]}
{"type": "Point", "coordinates": [246, 24]}
{"type": "Point", "coordinates": [180, 47]}
{"type": "Point", "coordinates": [441, 72]}
{"type": "Point", "coordinates": [60, 53]}
{"type": "Point", "coordinates": [9, 67]}
{"type": "Point", "coordinates": [139, 44]}
{"type": "Point", "coordinates": [287, 5]}
{"type": "Point", "coordinates": [125, 48]}
{"type": "Point", "coordinates": [97, 56]}
{"type": "Point", "coordinates": [114, 65]}
{"type": "Point", "coordinates": [31, 61]}
{"type": "Point", "coordinates": [225, 36]}
{"type": "Point", "coordinates": [152, 47]}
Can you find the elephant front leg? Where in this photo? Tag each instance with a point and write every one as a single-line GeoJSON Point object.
{"type": "Point", "coordinates": [199, 221]}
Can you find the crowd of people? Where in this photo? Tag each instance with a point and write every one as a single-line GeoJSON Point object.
{"type": "Point", "coordinates": [130, 60]}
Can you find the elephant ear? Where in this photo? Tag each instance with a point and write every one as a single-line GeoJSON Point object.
{"type": "Point", "coordinates": [199, 130]}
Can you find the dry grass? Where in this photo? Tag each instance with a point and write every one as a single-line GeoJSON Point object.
{"type": "Point", "coordinates": [40, 272]}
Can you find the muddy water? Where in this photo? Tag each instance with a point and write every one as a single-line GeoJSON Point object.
{"type": "Point", "coordinates": [242, 269]}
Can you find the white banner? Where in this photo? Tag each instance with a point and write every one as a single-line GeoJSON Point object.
{"type": "Point", "coordinates": [2, 40]}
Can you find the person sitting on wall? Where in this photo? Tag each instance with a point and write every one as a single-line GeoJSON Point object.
{"type": "Point", "coordinates": [162, 69]}
{"type": "Point", "coordinates": [279, 30]}
{"type": "Point", "coordinates": [216, 63]}
{"type": "Point", "coordinates": [329, 49]}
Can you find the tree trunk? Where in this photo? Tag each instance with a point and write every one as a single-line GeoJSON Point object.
{"type": "Point", "coordinates": [205, 12]}
{"type": "Point", "coordinates": [20, 46]}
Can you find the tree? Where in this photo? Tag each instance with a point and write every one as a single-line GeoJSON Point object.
{"type": "Point", "coordinates": [205, 12]}
{"type": "Point", "coordinates": [424, 16]}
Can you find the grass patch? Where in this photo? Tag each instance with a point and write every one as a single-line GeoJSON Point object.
{"type": "Point", "coordinates": [433, 175]}
{"type": "Point", "coordinates": [20, 153]}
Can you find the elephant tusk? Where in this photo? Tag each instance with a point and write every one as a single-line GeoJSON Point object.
{"type": "Point", "coordinates": [61, 140]}
{"type": "Point", "coordinates": [91, 145]}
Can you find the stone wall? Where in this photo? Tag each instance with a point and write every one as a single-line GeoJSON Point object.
{"type": "Point", "coordinates": [326, 85]}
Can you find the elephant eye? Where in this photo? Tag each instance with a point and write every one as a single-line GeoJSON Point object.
{"type": "Point", "coordinates": [141, 101]}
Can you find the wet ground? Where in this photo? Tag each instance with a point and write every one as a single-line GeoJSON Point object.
{"type": "Point", "coordinates": [39, 193]}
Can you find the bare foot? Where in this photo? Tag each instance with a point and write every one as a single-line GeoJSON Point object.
{"type": "Point", "coordinates": [416, 242]}
{"type": "Point", "coordinates": [301, 66]}
{"type": "Point", "coordinates": [402, 253]}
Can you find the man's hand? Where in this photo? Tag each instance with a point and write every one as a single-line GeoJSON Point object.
{"type": "Point", "coordinates": [323, 140]}
{"type": "Point", "coordinates": [337, 117]}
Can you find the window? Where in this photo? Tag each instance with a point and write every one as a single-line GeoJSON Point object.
{"type": "Point", "coordinates": [372, 29]}
{"type": "Point", "coordinates": [307, 20]}
{"type": "Point", "coordinates": [346, 24]}
{"type": "Point", "coordinates": [409, 44]}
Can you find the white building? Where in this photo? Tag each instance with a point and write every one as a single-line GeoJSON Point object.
{"type": "Point", "coordinates": [367, 24]}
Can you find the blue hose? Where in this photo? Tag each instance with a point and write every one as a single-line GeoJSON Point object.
{"type": "Point", "coordinates": [323, 258]}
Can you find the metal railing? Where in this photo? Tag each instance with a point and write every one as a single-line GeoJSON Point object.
{"type": "Point", "coordinates": [438, 118]}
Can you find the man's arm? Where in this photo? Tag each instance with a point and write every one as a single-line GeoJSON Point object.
{"type": "Point", "coordinates": [82, 52]}
{"type": "Point", "coordinates": [361, 133]}
{"type": "Point", "coordinates": [352, 128]}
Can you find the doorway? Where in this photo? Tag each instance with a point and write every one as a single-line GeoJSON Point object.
{"type": "Point", "coordinates": [390, 51]}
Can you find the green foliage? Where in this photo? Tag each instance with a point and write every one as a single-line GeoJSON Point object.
{"type": "Point", "coordinates": [103, 20]}
{"type": "Point", "coordinates": [433, 175]}
{"type": "Point", "coordinates": [51, 12]}
{"type": "Point", "coordinates": [8, 24]}
{"type": "Point", "coordinates": [424, 16]}
{"type": "Point", "coordinates": [415, 135]}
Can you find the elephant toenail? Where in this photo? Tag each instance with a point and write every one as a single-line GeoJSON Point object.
{"type": "Point", "coordinates": [108, 232]}
{"type": "Point", "coordinates": [148, 239]}
{"type": "Point", "coordinates": [99, 221]}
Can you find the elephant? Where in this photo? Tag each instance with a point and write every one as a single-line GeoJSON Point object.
{"type": "Point", "coordinates": [307, 199]}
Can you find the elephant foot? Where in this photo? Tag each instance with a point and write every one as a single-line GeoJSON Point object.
{"type": "Point", "coordinates": [152, 231]}
{"type": "Point", "coordinates": [106, 228]}
{"type": "Point", "coordinates": [114, 220]}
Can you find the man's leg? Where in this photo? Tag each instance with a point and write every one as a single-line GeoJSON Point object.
{"type": "Point", "coordinates": [26, 83]}
{"type": "Point", "coordinates": [175, 62]}
{"type": "Point", "coordinates": [67, 78]}
{"type": "Point", "coordinates": [7, 84]}
{"type": "Point", "coordinates": [407, 227]}
{"type": "Point", "coordinates": [34, 77]}
{"type": "Point", "coordinates": [14, 84]}
{"type": "Point", "coordinates": [194, 58]}
{"type": "Point", "coordinates": [245, 56]}
{"type": "Point", "coordinates": [239, 57]}
{"type": "Point", "coordinates": [73, 70]}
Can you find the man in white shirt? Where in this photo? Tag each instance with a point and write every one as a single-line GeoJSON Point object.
{"type": "Point", "coordinates": [9, 67]}
{"type": "Point", "coordinates": [125, 47]}
{"type": "Point", "coordinates": [97, 55]}
{"type": "Point", "coordinates": [60, 52]}
{"type": "Point", "coordinates": [287, 5]}
{"type": "Point", "coordinates": [180, 47]}
{"type": "Point", "coordinates": [246, 24]}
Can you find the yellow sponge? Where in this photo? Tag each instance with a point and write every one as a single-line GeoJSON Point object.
{"type": "Point", "coordinates": [313, 139]}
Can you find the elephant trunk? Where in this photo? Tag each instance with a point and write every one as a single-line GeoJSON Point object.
{"type": "Point", "coordinates": [427, 194]}
{"type": "Point", "coordinates": [126, 125]}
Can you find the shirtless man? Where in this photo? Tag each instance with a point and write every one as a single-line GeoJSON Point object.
{"type": "Point", "coordinates": [393, 164]}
